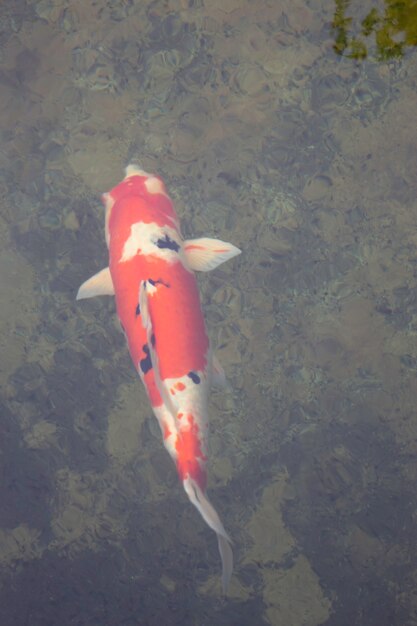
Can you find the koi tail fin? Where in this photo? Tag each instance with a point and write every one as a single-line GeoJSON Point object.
{"type": "Point", "coordinates": [210, 516]}
{"type": "Point", "coordinates": [226, 556]}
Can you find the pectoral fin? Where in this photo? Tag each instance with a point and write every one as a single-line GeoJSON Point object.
{"type": "Point", "coordinates": [205, 254]}
{"type": "Point", "coordinates": [100, 284]}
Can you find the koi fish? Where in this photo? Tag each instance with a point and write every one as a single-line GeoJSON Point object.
{"type": "Point", "coordinates": [151, 274]}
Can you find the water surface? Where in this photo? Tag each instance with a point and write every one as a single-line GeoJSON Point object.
{"type": "Point", "coordinates": [305, 159]}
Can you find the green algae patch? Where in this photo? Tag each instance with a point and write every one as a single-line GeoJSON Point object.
{"type": "Point", "coordinates": [394, 29]}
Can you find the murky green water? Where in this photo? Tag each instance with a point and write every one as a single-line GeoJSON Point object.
{"type": "Point", "coordinates": [304, 159]}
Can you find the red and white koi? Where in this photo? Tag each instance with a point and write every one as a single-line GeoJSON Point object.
{"type": "Point", "coordinates": [151, 274]}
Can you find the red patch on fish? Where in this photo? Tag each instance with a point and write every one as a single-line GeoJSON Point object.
{"type": "Point", "coordinates": [191, 459]}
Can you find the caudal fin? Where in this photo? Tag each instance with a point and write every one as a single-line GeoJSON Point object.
{"type": "Point", "coordinates": [210, 516]}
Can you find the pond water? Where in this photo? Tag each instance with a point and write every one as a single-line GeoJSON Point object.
{"type": "Point", "coordinates": [287, 128]}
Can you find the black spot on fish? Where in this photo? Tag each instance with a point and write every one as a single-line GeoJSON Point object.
{"type": "Point", "coordinates": [157, 282]}
{"type": "Point", "coordinates": [137, 311]}
{"type": "Point", "coordinates": [168, 243]}
{"type": "Point", "coordinates": [146, 363]}
{"type": "Point", "coordinates": [194, 377]}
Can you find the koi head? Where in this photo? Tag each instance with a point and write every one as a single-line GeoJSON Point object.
{"type": "Point", "coordinates": [136, 182]}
